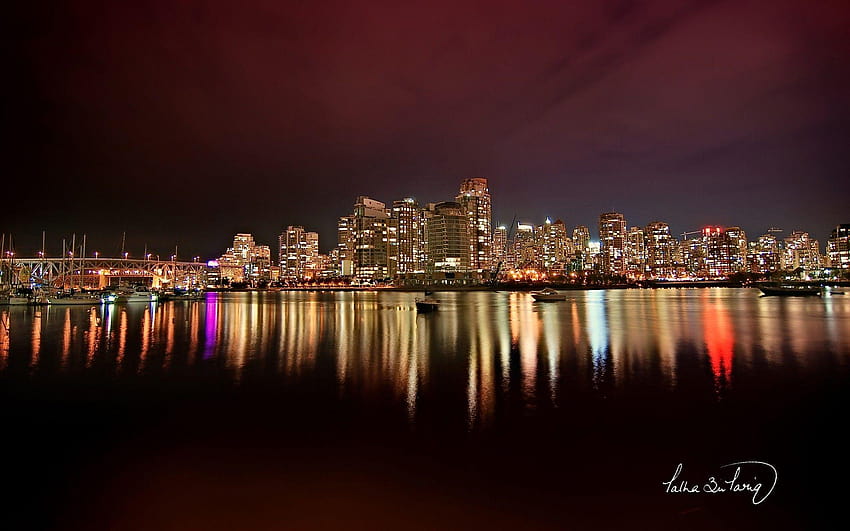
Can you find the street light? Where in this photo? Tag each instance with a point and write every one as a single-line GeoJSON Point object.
{"type": "Point", "coordinates": [96, 254]}
{"type": "Point", "coordinates": [126, 254]}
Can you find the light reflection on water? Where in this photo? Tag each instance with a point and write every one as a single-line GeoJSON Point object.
{"type": "Point", "coordinates": [483, 345]}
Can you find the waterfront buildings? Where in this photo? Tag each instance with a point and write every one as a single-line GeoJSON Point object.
{"type": "Point", "coordinates": [245, 261]}
{"type": "Point", "coordinates": [801, 251]}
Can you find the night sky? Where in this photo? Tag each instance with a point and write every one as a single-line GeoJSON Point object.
{"type": "Point", "coordinates": [191, 121]}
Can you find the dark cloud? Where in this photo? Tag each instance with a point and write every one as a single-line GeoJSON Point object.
{"type": "Point", "coordinates": [190, 121]}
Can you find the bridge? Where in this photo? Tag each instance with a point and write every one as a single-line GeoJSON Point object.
{"type": "Point", "coordinates": [98, 272]}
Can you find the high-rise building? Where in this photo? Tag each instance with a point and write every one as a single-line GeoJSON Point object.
{"type": "Point", "coordinates": [581, 249]}
{"type": "Point", "coordinates": [524, 247]}
{"type": "Point", "coordinates": [581, 239]}
{"type": "Point", "coordinates": [555, 246]}
{"type": "Point", "coordinates": [500, 248]}
{"type": "Point", "coordinates": [406, 236]}
{"type": "Point", "coordinates": [765, 254]}
{"type": "Point", "coordinates": [448, 237]}
{"type": "Point", "coordinates": [722, 252]}
{"type": "Point", "coordinates": [612, 240]}
{"type": "Point", "coordinates": [636, 253]}
{"type": "Point", "coordinates": [660, 250]}
{"type": "Point", "coordinates": [299, 254]}
{"type": "Point", "coordinates": [474, 199]}
{"type": "Point", "coordinates": [371, 239]}
{"type": "Point", "coordinates": [838, 247]}
{"type": "Point", "coordinates": [345, 246]}
{"type": "Point", "coordinates": [801, 251]}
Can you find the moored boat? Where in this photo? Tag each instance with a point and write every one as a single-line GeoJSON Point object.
{"type": "Point", "coordinates": [80, 298]}
{"type": "Point", "coordinates": [790, 291]}
{"type": "Point", "coordinates": [427, 305]}
{"type": "Point", "coordinates": [136, 294]}
{"type": "Point", "coordinates": [548, 295]}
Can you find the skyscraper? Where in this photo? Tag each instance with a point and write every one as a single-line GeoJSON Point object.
{"type": "Point", "coordinates": [474, 199]}
{"type": "Point", "coordinates": [636, 253]}
{"type": "Point", "coordinates": [371, 248]}
{"type": "Point", "coordinates": [612, 240]}
{"type": "Point", "coordinates": [500, 247]}
{"type": "Point", "coordinates": [838, 247]}
{"type": "Point", "coordinates": [556, 246]}
{"type": "Point", "coordinates": [407, 250]}
{"type": "Point", "coordinates": [345, 246]}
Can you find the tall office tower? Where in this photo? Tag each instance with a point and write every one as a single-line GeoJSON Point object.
{"type": "Point", "coordinates": [500, 248]}
{"type": "Point", "coordinates": [345, 246]}
{"type": "Point", "coordinates": [371, 239]}
{"type": "Point", "coordinates": [524, 247]}
{"type": "Point", "coordinates": [448, 237]}
{"type": "Point", "coordinates": [838, 247]}
{"type": "Point", "coordinates": [801, 251]}
{"type": "Point", "coordinates": [765, 255]}
{"type": "Point", "coordinates": [612, 241]}
{"type": "Point", "coordinates": [299, 254]}
{"type": "Point", "coordinates": [407, 244]}
{"type": "Point", "coordinates": [474, 199]}
{"type": "Point", "coordinates": [555, 246]}
{"type": "Point", "coordinates": [636, 253]}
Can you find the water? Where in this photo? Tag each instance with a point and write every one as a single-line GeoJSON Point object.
{"type": "Point", "coordinates": [306, 410]}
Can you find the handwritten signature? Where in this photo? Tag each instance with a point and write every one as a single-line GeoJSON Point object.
{"type": "Point", "coordinates": [738, 481]}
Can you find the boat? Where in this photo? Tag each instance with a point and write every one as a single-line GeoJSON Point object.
{"type": "Point", "coordinates": [16, 297]}
{"type": "Point", "coordinates": [548, 295]}
{"type": "Point", "coordinates": [790, 291]}
{"type": "Point", "coordinates": [72, 298]}
{"type": "Point", "coordinates": [136, 294]}
{"type": "Point", "coordinates": [178, 294]}
{"type": "Point", "coordinates": [427, 305]}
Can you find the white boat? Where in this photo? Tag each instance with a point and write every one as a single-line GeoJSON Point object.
{"type": "Point", "coordinates": [548, 294]}
{"type": "Point", "coordinates": [136, 294]}
{"type": "Point", "coordinates": [72, 299]}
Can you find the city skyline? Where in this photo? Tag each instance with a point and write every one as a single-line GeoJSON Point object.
{"type": "Point", "coordinates": [177, 122]}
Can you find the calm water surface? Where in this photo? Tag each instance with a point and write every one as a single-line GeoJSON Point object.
{"type": "Point", "coordinates": [293, 409]}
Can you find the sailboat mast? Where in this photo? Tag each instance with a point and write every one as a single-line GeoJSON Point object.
{"type": "Point", "coordinates": [73, 248]}
{"type": "Point", "coordinates": [83, 262]}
